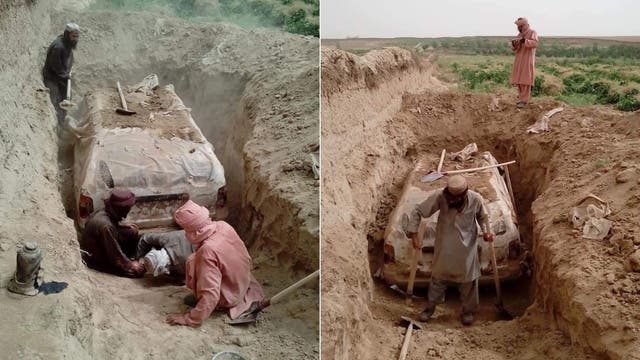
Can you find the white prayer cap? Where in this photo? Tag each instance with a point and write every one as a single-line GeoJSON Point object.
{"type": "Point", "coordinates": [457, 184]}
{"type": "Point", "coordinates": [72, 27]}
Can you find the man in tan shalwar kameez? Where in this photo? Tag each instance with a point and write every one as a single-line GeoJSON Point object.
{"type": "Point", "coordinates": [523, 73]}
{"type": "Point", "coordinates": [455, 260]}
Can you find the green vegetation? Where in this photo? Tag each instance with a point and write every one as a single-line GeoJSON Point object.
{"type": "Point", "coordinates": [295, 16]}
{"type": "Point", "coordinates": [588, 53]}
{"type": "Point", "coordinates": [601, 163]}
{"type": "Point", "coordinates": [578, 71]}
{"type": "Point", "coordinates": [614, 82]}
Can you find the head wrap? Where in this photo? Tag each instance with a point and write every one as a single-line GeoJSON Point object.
{"type": "Point", "coordinates": [121, 198]}
{"type": "Point", "coordinates": [521, 21]}
{"type": "Point", "coordinates": [72, 27]}
{"type": "Point", "coordinates": [157, 262]}
{"type": "Point", "coordinates": [119, 203]}
{"type": "Point", "coordinates": [195, 221]}
{"type": "Point", "coordinates": [457, 185]}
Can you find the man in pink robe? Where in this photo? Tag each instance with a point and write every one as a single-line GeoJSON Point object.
{"type": "Point", "coordinates": [523, 73]}
{"type": "Point", "coordinates": [219, 271]}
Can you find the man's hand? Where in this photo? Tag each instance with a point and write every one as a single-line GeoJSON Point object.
{"type": "Point", "coordinates": [488, 236]}
{"type": "Point", "coordinates": [131, 226]}
{"type": "Point", "coordinates": [178, 319]}
{"type": "Point", "coordinates": [137, 268]}
{"type": "Point", "coordinates": [522, 41]}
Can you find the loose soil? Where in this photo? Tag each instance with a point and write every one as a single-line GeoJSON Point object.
{"type": "Point", "coordinates": [582, 301]}
{"type": "Point", "coordinates": [254, 96]}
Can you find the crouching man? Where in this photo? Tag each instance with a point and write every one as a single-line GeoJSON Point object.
{"type": "Point", "coordinates": [455, 260]}
{"type": "Point", "coordinates": [219, 272]}
{"type": "Point", "coordinates": [107, 245]}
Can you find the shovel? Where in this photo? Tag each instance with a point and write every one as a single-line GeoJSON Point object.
{"type": "Point", "coordinates": [435, 175]}
{"type": "Point", "coordinates": [123, 110]}
{"type": "Point", "coordinates": [411, 325]}
{"type": "Point", "coordinates": [502, 312]}
{"type": "Point", "coordinates": [66, 104]}
{"type": "Point", "coordinates": [251, 315]}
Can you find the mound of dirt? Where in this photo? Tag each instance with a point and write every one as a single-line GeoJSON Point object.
{"type": "Point", "coordinates": [583, 303]}
{"type": "Point", "coordinates": [342, 71]}
{"type": "Point", "coordinates": [231, 78]}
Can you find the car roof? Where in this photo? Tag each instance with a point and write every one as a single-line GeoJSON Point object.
{"type": "Point", "coordinates": [160, 109]}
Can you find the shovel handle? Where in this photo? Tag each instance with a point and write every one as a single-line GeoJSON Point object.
{"type": "Point", "coordinates": [69, 89]}
{"type": "Point", "coordinates": [444, 151]}
{"type": "Point", "coordinates": [478, 168]}
{"type": "Point", "coordinates": [293, 287]}
{"type": "Point", "coordinates": [414, 263]}
{"type": "Point", "coordinates": [412, 276]}
{"type": "Point", "coordinates": [513, 199]}
{"type": "Point", "coordinates": [405, 342]}
{"type": "Point", "coordinates": [122, 100]}
{"type": "Point", "coordinates": [496, 277]}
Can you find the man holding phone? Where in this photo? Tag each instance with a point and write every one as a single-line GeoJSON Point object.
{"type": "Point", "coordinates": [523, 73]}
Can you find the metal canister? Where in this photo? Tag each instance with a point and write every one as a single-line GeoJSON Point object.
{"type": "Point", "coordinates": [28, 262]}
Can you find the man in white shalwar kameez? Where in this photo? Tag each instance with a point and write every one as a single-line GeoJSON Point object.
{"type": "Point", "coordinates": [455, 260]}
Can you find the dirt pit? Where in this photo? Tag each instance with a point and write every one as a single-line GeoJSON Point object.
{"type": "Point", "coordinates": [579, 302]}
{"type": "Point", "coordinates": [252, 93]}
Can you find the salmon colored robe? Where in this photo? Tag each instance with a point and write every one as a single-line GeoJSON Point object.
{"type": "Point", "coordinates": [219, 272]}
{"type": "Point", "coordinates": [523, 72]}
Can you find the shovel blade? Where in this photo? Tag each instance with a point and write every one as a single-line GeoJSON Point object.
{"type": "Point", "coordinates": [397, 289]}
{"type": "Point", "coordinates": [125, 112]}
{"type": "Point", "coordinates": [66, 104]}
{"type": "Point", "coordinates": [431, 177]}
{"type": "Point", "coordinates": [503, 313]}
{"type": "Point", "coordinates": [247, 319]}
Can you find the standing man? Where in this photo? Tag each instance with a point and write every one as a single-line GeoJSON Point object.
{"type": "Point", "coordinates": [57, 67]}
{"type": "Point", "coordinates": [523, 73]}
{"type": "Point", "coordinates": [455, 260]}
{"type": "Point", "coordinates": [107, 245]}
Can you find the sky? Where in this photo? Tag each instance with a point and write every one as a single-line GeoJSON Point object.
{"type": "Point", "coordinates": [433, 18]}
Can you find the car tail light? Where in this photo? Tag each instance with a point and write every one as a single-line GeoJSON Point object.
{"type": "Point", "coordinates": [389, 254]}
{"type": "Point", "coordinates": [85, 206]}
{"type": "Point", "coordinates": [222, 197]}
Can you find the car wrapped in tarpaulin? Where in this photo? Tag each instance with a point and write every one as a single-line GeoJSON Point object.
{"type": "Point", "coordinates": [159, 153]}
{"type": "Point", "coordinates": [490, 183]}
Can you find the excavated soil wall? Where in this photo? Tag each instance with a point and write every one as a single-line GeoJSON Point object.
{"type": "Point", "coordinates": [580, 285]}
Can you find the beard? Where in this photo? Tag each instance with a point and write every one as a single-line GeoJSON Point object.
{"type": "Point", "coordinates": [456, 205]}
{"type": "Point", "coordinates": [68, 42]}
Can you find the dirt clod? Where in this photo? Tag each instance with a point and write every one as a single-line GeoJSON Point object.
{"type": "Point", "coordinates": [626, 175]}
{"type": "Point", "coordinates": [633, 262]}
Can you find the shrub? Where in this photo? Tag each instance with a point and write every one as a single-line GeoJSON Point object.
{"type": "Point", "coordinates": [538, 83]}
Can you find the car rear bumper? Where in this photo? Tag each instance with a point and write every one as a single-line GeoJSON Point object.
{"type": "Point", "coordinates": [398, 275]}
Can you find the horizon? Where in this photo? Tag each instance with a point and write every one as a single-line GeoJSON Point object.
{"type": "Point", "coordinates": [475, 36]}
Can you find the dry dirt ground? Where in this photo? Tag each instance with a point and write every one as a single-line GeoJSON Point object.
{"type": "Point", "coordinates": [253, 93]}
{"type": "Point", "coordinates": [383, 112]}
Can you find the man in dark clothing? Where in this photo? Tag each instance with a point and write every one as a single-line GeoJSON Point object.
{"type": "Point", "coordinates": [57, 67]}
{"type": "Point", "coordinates": [107, 245]}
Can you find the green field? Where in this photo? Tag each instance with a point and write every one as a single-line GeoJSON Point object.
{"type": "Point", "coordinates": [576, 81]}
{"type": "Point", "coordinates": [295, 16]}
{"type": "Point", "coordinates": [578, 71]}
